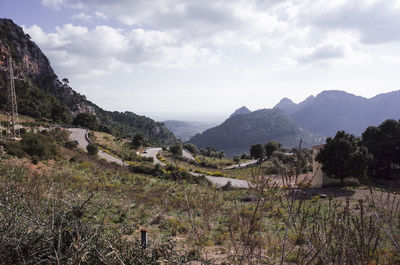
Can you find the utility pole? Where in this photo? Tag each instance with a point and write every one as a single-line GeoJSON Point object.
{"type": "Point", "coordinates": [13, 120]}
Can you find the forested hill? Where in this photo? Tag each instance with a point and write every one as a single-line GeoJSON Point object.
{"type": "Point", "coordinates": [239, 132]}
{"type": "Point", "coordinates": [41, 95]}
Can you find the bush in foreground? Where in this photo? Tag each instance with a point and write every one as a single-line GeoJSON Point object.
{"type": "Point", "coordinates": [92, 149]}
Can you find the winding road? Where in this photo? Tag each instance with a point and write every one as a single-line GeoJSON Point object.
{"type": "Point", "coordinates": [248, 163]}
{"type": "Point", "coordinates": [187, 155]}
{"type": "Point", "coordinates": [80, 135]}
{"type": "Point", "coordinates": [152, 152]}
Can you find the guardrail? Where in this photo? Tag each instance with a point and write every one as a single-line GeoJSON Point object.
{"type": "Point", "coordinates": [87, 136]}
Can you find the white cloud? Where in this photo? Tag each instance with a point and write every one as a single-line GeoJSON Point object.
{"type": "Point", "coordinates": [83, 17]}
{"type": "Point", "coordinates": [81, 52]}
{"type": "Point", "coordinates": [375, 21]}
{"type": "Point", "coordinates": [285, 44]}
{"type": "Point", "coordinates": [321, 53]}
{"type": "Point", "coordinates": [100, 15]}
{"type": "Point", "coordinates": [53, 3]}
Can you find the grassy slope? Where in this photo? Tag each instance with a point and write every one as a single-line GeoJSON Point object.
{"type": "Point", "coordinates": [129, 200]}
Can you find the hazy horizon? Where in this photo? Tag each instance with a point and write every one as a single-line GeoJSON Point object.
{"type": "Point", "coordinates": [189, 61]}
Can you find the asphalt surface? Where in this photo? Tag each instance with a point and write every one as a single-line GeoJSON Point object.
{"type": "Point", "coordinates": [152, 152]}
{"type": "Point", "coordinates": [187, 155]}
{"type": "Point", "coordinates": [78, 135]}
{"type": "Point", "coordinates": [222, 181]}
{"type": "Point", "coordinates": [248, 163]}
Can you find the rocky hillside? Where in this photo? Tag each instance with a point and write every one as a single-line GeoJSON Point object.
{"type": "Point", "coordinates": [331, 111]}
{"type": "Point", "coordinates": [41, 95]}
{"type": "Point", "coordinates": [239, 132]}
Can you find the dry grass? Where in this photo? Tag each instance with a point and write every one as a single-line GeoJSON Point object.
{"type": "Point", "coordinates": [110, 142]}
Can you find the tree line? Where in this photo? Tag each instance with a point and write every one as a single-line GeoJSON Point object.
{"type": "Point", "coordinates": [375, 154]}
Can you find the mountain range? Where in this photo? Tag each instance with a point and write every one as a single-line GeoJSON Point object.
{"type": "Point", "coordinates": [40, 94]}
{"type": "Point", "coordinates": [335, 110]}
{"type": "Point", "coordinates": [312, 120]}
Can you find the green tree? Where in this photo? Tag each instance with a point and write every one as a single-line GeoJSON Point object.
{"type": "Point", "coordinates": [383, 142]}
{"type": "Point", "coordinates": [343, 156]}
{"type": "Point", "coordinates": [86, 120]}
{"type": "Point", "coordinates": [176, 150]}
{"type": "Point", "coordinates": [138, 140]}
{"type": "Point", "coordinates": [191, 148]}
{"type": "Point", "coordinates": [65, 81]}
{"type": "Point", "coordinates": [92, 149]}
{"type": "Point", "coordinates": [258, 152]}
{"type": "Point", "coordinates": [270, 147]}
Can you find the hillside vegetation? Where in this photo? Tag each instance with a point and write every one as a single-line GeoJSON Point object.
{"type": "Point", "coordinates": [239, 132]}
{"type": "Point", "coordinates": [72, 208]}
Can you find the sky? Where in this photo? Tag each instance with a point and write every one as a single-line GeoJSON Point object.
{"type": "Point", "coordinates": [202, 59]}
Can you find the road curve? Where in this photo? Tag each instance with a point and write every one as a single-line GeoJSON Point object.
{"type": "Point", "coordinates": [79, 135]}
{"type": "Point", "coordinates": [248, 163]}
{"type": "Point", "coordinates": [187, 155]}
{"type": "Point", "coordinates": [152, 152]}
{"type": "Point", "coordinates": [222, 181]}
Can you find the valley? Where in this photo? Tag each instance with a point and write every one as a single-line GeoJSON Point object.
{"type": "Point", "coordinates": [317, 182]}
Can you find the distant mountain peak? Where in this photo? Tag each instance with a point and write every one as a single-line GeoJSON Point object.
{"type": "Point", "coordinates": [285, 101]}
{"type": "Point", "coordinates": [285, 104]}
{"type": "Point", "coordinates": [240, 111]}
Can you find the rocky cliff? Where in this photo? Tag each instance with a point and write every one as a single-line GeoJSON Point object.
{"type": "Point", "coordinates": [41, 94]}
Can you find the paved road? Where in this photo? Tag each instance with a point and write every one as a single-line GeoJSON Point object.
{"type": "Point", "coordinates": [78, 134]}
{"type": "Point", "coordinates": [152, 152]}
{"type": "Point", "coordinates": [188, 155]}
{"type": "Point", "coordinates": [248, 163]}
{"type": "Point", "coordinates": [222, 181]}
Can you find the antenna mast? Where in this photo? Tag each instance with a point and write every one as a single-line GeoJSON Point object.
{"type": "Point", "coordinates": [13, 120]}
{"type": "Point", "coordinates": [13, 107]}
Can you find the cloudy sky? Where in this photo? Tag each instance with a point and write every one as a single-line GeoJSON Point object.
{"type": "Point", "coordinates": [201, 59]}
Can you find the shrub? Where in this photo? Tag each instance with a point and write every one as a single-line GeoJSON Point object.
{"type": "Point", "coordinates": [35, 160]}
{"type": "Point", "coordinates": [176, 150]}
{"type": "Point", "coordinates": [245, 156]}
{"type": "Point", "coordinates": [37, 144]}
{"type": "Point", "coordinates": [191, 148]}
{"type": "Point", "coordinates": [14, 148]}
{"type": "Point", "coordinates": [71, 144]}
{"type": "Point", "coordinates": [92, 149]}
{"type": "Point", "coordinates": [155, 170]}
